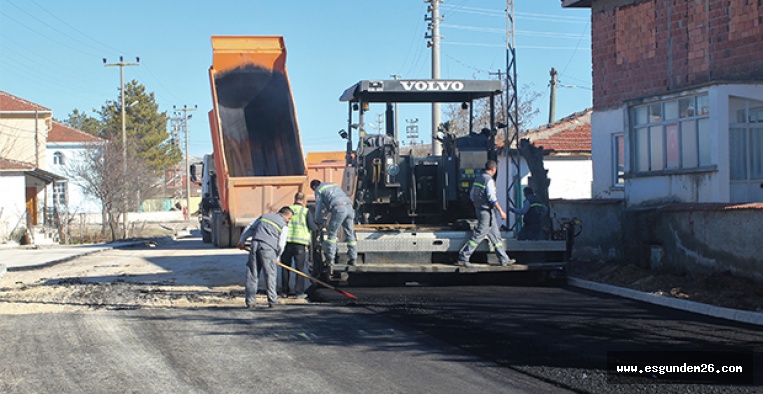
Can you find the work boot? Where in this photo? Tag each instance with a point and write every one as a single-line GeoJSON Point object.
{"type": "Point", "coordinates": [351, 262]}
{"type": "Point", "coordinates": [273, 305]}
{"type": "Point", "coordinates": [465, 264]}
{"type": "Point", "coordinates": [330, 262]}
{"type": "Point", "coordinates": [508, 262]}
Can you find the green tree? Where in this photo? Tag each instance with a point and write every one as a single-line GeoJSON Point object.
{"type": "Point", "coordinates": [146, 127]}
{"type": "Point", "coordinates": [84, 122]}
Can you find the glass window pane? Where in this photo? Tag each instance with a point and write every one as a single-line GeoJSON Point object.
{"type": "Point", "coordinates": [686, 107]}
{"type": "Point", "coordinates": [655, 113]}
{"type": "Point", "coordinates": [671, 148]}
{"type": "Point", "coordinates": [756, 111]}
{"type": "Point", "coordinates": [642, 150]}
{"type": "Point", "coordinates": [689, 144]}
{"type": "Point", "coordinates": [738, 153]}
{"type": "Point", "coordinates": [737, 110]}
{"type": "Point", "coordinates": [656, 151]}
{"type": "Point", "coordinates": [703, 105]}
{"type": "Point", "coordinates": [704, 140]}
{"type": "Point", "coordinates": [671, 110]}
{"type": "Point", "coordinates": [639, 116]}
{"type": "Point", "coordinates": [756, 153]}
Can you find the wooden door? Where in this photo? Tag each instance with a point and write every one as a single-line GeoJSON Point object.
{"type": "Point", "coordinates": [31, 205]}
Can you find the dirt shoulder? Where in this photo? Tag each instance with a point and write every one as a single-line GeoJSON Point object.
{"type": "Point", "coordinates": [160, 273]}
{"type": "Point", "coordinates": [719, 289]}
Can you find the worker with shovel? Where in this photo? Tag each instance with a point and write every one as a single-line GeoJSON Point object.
{"type": "Point", "coordinates": [268, 233]}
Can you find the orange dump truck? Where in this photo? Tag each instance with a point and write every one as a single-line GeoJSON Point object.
{"type": "Point", "coordinates": [258, 164]}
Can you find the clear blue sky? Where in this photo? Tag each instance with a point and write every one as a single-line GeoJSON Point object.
{"type": "Point", "coordinates": [51, 52]}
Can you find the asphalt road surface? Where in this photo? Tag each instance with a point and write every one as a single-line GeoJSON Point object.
{"type": "Point", "coordinates": [300, 349]}
{"type": "Point", "coordinates": [560, 335]}
{"type": "Point", "coordinates": [169, 318]}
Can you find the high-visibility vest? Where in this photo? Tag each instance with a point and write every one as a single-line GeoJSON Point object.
{"type": "Point", "coordinates": [299, 233]}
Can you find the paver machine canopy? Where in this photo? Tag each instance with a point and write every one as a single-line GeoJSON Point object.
{"type": "Point", "coordinates": [393, 187]}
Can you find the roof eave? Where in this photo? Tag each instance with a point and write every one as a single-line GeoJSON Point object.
{"type": "Point", "coordinates": [577, 3]}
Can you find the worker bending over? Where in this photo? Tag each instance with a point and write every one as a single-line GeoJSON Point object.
{"type": "Point", "coordinates": [483, 196]}
{"type": "Point", "coordinates": [330, 197]}
{"type": "Point", "coordinates": [268, 233]}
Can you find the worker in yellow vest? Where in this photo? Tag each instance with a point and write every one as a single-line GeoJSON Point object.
{"type": "Point", "coordinates": [297, 247]}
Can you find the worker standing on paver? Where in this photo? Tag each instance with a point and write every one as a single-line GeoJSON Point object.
{"type": "Point", "coordinates": [268, 233]}
{"type": "Point", "coordinates": [297, 245]}
{"type": "Point", "coordinates": [330, 197]}
{"type": "Point", "coordinates": [483, 195]}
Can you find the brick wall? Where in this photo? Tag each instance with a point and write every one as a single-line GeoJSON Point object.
{"type": "Point", "coordinates": [650, 47]}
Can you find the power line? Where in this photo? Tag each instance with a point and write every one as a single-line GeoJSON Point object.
{"type": "Point", "coordinates": [74, 28]}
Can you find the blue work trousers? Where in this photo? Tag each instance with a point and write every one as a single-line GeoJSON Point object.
{"type": "Point", "coordinates": [261, 257]}
{"type": "Point", "coordinates": [341, 216]}
{"type": "Point", "coordinates": [487, 227]}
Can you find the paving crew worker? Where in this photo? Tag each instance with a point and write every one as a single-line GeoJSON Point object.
{"type": "Point", "coordinates": [268, 233]}
{"type": "Point", "coordinates": [330, 197]}
{"type": "Point", "coordinates": [297, 245]}
{"type": "Point", "coordinates": [532, 212]}
{"type": "Point", "coordinates": [483, 195]}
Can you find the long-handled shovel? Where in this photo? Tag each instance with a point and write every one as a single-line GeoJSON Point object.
{"type": "Point", "coordinates": [324, 284]}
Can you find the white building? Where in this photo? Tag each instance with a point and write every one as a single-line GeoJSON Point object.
{"type": "Point", "coordinates": [566, 155]}
{"type": "Point", "coordinates": [67, 148]}
{"type": "Point", "coordinates": [24, 128]}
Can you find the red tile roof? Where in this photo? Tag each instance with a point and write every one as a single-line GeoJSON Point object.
{"type": "Point", "coordinates": [569, 135]}
{"type": "Point", "coordinates": [63, 133]}
{"type": "Point", "coordinates": [8, 164]}
{"type": "Point", "coordinates": [9, 103]}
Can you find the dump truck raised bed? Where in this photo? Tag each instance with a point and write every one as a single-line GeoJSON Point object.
{"type": "Point", "coordinates": [258, 159]}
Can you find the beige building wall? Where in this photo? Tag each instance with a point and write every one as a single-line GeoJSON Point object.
{"type": "Point", "coordinates": [23, 137]}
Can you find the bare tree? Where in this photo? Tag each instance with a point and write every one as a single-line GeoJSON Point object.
{"type": "Point", "coordinates": [102, 174]}
{"type": "Point", "coordinates": [458, 114]}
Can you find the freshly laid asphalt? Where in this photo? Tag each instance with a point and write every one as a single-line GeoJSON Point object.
{"type": "Point", "coordinates": [26, 258]}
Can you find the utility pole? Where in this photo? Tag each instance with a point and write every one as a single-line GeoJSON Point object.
{"type": "Point", "coordinates": [434, 20]}
{"type": "Point", "coordinates": [412, 130]}
{"type": "Point", "coordinates": [512, 115]}
{"type": "Point", "coordinates": [185, 110]}
{"type": "Point", "coordinates": [552, 101]}
{"type": "Point", "coordinates": [122, 64]}
{"type": "Point", "coordinates": [395, 77]}
{"type": "Point", "coordinates": [379, 122]}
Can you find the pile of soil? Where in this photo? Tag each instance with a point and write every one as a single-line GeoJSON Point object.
{"type": "Point", "coordinates": [717, 288]}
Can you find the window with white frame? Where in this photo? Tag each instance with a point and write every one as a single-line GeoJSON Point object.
{"type": "Point", "coordinates": [59, 193]}
{"type": "Point", "coordinates": [746, 139]}
{"type": "Point", "coordinates": [671, 135]}
{"type": "Point", "coordinates": [618, 159]}
{"type": "Point", "coordinates": [58, 158]}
